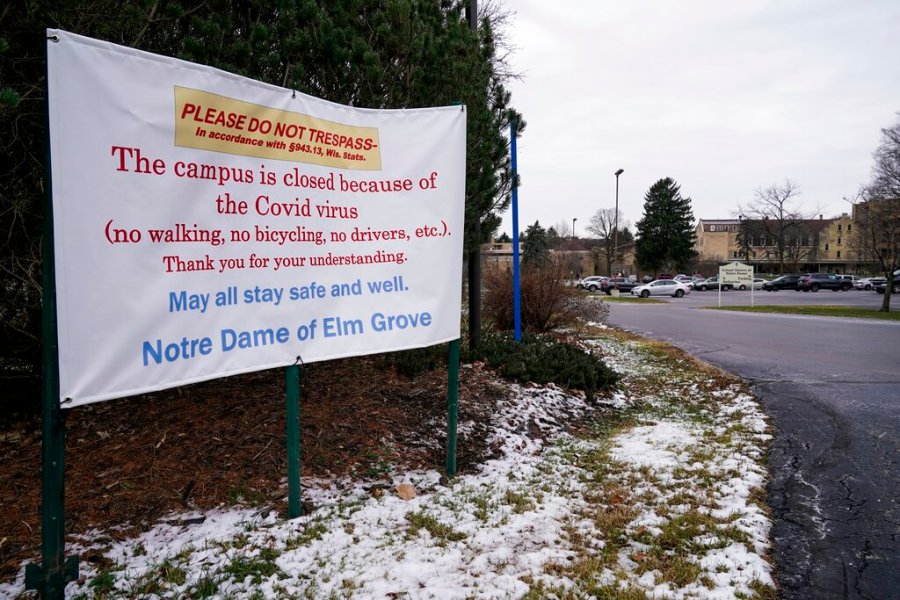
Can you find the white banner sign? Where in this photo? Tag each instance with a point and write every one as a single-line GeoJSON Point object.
{"type": "Point", "coordinates": [208, 225]}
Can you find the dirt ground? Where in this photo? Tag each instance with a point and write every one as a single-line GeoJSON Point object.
{"type": "Point", "coordinates": [134, 460]}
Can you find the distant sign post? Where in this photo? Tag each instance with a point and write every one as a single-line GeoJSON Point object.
{"type": "Point", "coordinates": [736, 275]}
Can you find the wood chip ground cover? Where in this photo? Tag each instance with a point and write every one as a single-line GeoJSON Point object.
{"type": "Point", "coordinates": [656, 491]}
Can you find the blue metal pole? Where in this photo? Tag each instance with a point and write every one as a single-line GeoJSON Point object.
{"type": "Point", "coordinates": [517, 300]}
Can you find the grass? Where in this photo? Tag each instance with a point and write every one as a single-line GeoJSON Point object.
{"type": "Point", "coordinates": [519, 502]}
{"type": "Point", "coordinates": [821, 311]}
{"type": "Point", "coordinates": [103, 583]}
{"type": "Point", "coordinates": [629, 299]}
{"type": "Point", "coordinates": [311, 532]}
{"type": "Point", "coordinates": [256, 568]}
{"type": "Point", "coordinates": [439, 531]}
{"type": "Point", "coordinates": [172, 574]}
{"type": "Point", "coordinates": [682, 499]}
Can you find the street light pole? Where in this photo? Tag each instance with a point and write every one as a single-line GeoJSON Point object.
{"type": "Point", "coordinates": [616, 226]}
{"type": "Point", "coordinates": [572, 245]}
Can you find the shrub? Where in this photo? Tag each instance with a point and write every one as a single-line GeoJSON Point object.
{"type": "Point", "coordinates": [412, 363]}
{"type": "Point", "coordinates": [543, 360]}
{"type": "Point", "coordinates": [546, 301]}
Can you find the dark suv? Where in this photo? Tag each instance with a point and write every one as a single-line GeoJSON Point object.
{"type": "Point", "coordinates": [620, 283]}
{"type": "Point", "coordinates": [823, 281]}
{"type": "Point", "coordinates": [785, 282]}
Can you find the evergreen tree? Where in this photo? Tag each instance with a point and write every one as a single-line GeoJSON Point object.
{"type": "Point", "coordinates": [536, 245]}
{"type": "Point", "coordinates": [388, 54]}
{"type": "Point", "coordinates": [665, 234]}
{"type": "Point", "coordinates": [553, 239]}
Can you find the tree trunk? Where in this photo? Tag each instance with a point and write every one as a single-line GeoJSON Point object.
{"type": "Point", "coordinates": [886, 301]}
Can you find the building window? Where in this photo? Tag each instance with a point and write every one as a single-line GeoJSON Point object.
{"type": "Point", "coordinates": [849, 226]}
{"type": "Point", "coordinates": [838, 253]}
{"type": "Point", "coordinates": [826, 247]}
{"type": "Point", "coordinates": [839, 226]}
{"type": "Point", "coordinates": [839, 241]}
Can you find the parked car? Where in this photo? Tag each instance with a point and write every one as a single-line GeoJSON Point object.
{"type": "Point", "coordinates": [758, 282]}
{"type": "Point", "coordinates": [661, 287]}
{"type": "Point", "coordinates": [623, 284]}
{"type": "Point", "coordinates": [785, 282]}
{"type": "Point", "coordinates": [711, 283]}
{"type": "Point", "coordinates": [869, 283]}
{"type": "Point", "coordinates": [591, 283]}
{"type": "Point", "coordinates": [685, 279]}
{"type": "Point", "coordinates": [823, 281]}
{"type": "Point", "coordinates": [895, 287]}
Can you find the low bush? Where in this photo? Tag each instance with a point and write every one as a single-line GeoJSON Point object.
{"type": "Point", "coordinates": [541, 359]}
{"type": "Point", "coordinates": [547, 301]}
{"type": "Point", "coordinates": [412, 363]}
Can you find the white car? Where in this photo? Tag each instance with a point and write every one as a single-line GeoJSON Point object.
{"type": "Point", "coordinates": [757, 284]}
{"type": "Point", "coordinates": [591, 283]}
{"type": "Point", "coordinates": [661, 287]}
{"type": "Point", "coordinates": [868, 283]}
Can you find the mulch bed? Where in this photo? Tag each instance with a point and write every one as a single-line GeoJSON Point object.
{"type": "Point", "coordinates": [131, 461]}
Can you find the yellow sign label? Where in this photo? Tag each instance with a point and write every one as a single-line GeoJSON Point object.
{"type": "Point", "coordinates": [221, 124]}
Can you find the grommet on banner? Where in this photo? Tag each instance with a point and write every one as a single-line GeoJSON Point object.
{"type": "Point", "coordinates": [53, 38]}
{"type": "Point", "coordinates": [298, 361]}
{"type": "Point", "coordinates": [66, 401]}
{"type": "Point", "coordinates": [294, 94]}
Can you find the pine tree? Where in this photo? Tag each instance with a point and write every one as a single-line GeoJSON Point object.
{"type": "Point", "coordinates": [536, 246]}
{"type": "Point", "coordinates": [388, 54]}
{"type": "Point", "coordinates": [665, 234]}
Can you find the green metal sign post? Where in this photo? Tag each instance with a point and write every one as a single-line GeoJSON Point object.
{"type": "Point", "coordinates": [452, 405]}
{"type": "Point", "coordinates": [51, 576]}
{"type": "Point", "coordinates": [292, 392]}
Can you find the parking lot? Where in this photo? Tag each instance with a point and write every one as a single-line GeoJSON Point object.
{"type": "Point", "coordinates": [853, 298]}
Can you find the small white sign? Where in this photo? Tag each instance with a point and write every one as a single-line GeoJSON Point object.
{"type": "Point", "coordinates": [736, 274]}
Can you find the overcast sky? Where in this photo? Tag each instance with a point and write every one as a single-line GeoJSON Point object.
{"type": "Point", "coordinates": [724, 97]}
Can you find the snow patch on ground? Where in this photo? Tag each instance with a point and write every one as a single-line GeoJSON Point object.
{"type": "Point", "coordinates": [490, 534]}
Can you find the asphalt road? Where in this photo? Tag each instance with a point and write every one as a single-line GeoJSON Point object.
{"type": "Point", "coordinates": [831, 387]}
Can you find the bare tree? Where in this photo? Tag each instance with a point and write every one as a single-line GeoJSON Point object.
{"type": "Point", "coordinates": [603, 226]}
{"type": "Point", "coordinates": [878, 221]}
{"type": "Point", "coordinates": [563, 228]}
{"type": "Point", "coordinates": [878, 217]}
{"type": "Point", "coordinates": [782, 222]}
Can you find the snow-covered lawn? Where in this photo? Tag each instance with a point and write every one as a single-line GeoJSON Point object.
{"type": "Point", "coordinates": [661, 498]}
